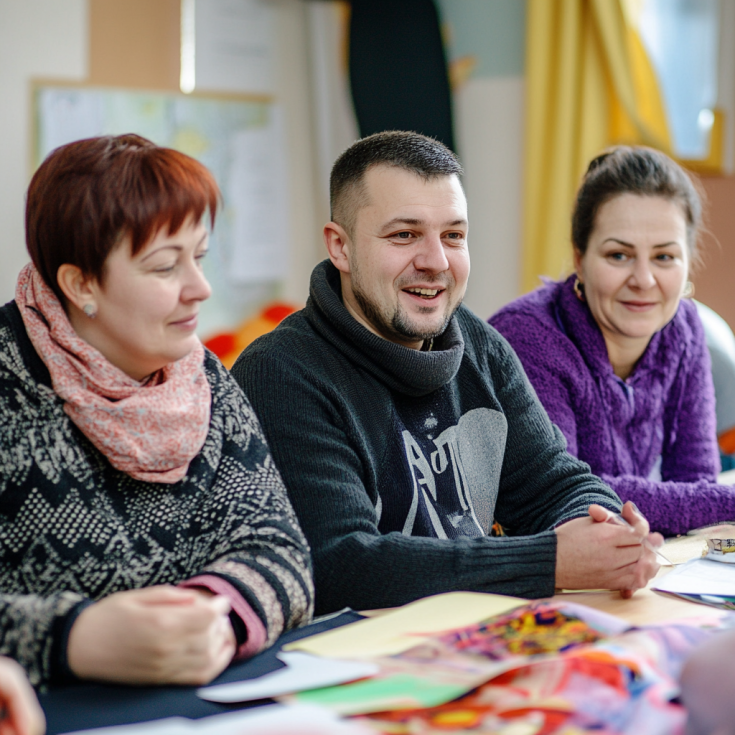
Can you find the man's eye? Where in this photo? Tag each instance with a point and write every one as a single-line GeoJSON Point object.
{"type": "Point", "coordinates": [403, 235]}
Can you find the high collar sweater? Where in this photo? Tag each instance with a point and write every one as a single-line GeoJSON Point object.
{"type": "Point", "coordinates": [652, 436]}
{"type": "Point", "coordinates": [398, 461]}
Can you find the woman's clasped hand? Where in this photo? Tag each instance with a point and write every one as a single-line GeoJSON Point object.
{"type": "Point", "coordinates": [153, 635]}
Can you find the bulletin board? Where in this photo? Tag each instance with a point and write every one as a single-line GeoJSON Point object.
{"type": "Point", "coordinates": [239, 138]}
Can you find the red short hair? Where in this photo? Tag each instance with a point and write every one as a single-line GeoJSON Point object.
{"type": "Point", "coordinates": [89, 194]}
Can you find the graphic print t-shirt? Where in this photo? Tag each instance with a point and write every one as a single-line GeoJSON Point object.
{"type": "Point", "coordinates": [443, 467]}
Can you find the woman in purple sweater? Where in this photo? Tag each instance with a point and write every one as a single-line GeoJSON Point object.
{"type": "Point", "coordinates": [617, 355]}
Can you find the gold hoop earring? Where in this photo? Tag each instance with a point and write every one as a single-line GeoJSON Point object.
{"type": "Point", "coordinates": [688, 291]}
{"type": "Point", "coordinates": [579, 290]}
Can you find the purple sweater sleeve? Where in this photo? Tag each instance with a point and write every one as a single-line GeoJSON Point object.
{"type": "Point", "coordinates": [689, 495]}
{"type": "Point", "coordinates": [676, 507]}
{"type": "Point", "coordinates": [690, 449]}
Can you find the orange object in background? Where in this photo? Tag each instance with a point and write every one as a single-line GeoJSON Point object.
{"type": "Point", "coordinates": [228, 345]}
{"type": "Point", "coordinates": [726, 440]}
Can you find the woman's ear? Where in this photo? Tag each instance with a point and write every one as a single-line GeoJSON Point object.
{"type": "Point", "coordinates": [577, 263]}
{"type": "Point", "coordinates": [77, 288]}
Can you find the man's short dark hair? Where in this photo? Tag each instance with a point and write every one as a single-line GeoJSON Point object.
{"type": "Point", "coordinates": [419, 154]}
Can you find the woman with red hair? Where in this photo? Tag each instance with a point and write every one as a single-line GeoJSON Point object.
{"type": "Point", "coordinates": [145, 533]}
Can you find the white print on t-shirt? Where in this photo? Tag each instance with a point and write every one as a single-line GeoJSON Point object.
{"type": "Point", "coordinates": [474, 451]}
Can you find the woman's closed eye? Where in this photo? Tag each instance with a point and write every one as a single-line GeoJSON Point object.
{"type": "Point", "coordinates": [165, 268]}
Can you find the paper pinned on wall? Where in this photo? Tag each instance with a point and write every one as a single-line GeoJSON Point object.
{"type": "Point", "coordinates": [67, 114]}
{"type": "Point", "coordinates": [401, 629]}
{"type": "Point", "coordinates": [257, 188]}
{"type": "Point", "coordinates": [234, 45]}
{"type": "Point", "coordinates": [242, 143]}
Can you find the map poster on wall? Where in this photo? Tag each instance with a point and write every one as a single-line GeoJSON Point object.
{"type": "Point", "coordinates": [240, 141]}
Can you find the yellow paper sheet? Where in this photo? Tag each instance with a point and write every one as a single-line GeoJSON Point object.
{"type": "Point", "coordinates": [685, 548]}
{"type": "Point", "coordinates": [401, 629]}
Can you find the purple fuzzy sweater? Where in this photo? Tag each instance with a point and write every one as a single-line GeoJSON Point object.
{"type": "Point", "coordinates": [650, 437]}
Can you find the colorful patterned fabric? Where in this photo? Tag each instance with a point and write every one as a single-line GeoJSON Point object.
{"type": "Point", "coordinates": [577, 670]}
{"type": "Point", "coordinates": [531, 631]}
{"type": "Point", "coordinates": [150, 431]}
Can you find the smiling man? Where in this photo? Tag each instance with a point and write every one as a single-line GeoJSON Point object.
{"type": "Point", "coordinates": [404, 426]}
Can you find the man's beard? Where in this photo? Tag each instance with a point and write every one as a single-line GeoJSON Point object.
{"type": "Point", "coordinates": [397, 324]}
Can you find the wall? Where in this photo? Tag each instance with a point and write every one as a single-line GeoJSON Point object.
{"type": "Point", "coordinates": [486, 41]}
{"type": "Point", "coordinates": [38, 38]}
{"type": "Point", "coordinates": [714, 281]}
{"type": "Point", "coordinates": [135, 43]}
{"type": "Point", "coordinates": [96, 40]}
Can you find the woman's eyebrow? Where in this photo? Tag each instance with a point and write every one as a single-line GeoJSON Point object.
{"type": "Point", "coordinates": [174, 246]}
{"type": "Point", "coordinates": [630, 245]}
{"type": "Point", "coordinates": [619, 242]}
{"type": "Point", "coordinates": [169, 246]}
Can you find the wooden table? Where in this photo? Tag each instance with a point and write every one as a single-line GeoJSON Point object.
{"type": "Point", "coordinates": [646, 606]}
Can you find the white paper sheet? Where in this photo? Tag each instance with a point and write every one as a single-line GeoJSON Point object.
{"type": "Point", "coordinates": [699, 577]}
{"type": "Point", "coordinates": [65, 115]}
{"type": "Point", "coordinates": [271, 720]}
{"type": "Point", "coordinates": [167, 726]}
{"type": "Point", "coordinates": [257, 188]}
{"type": "Point", "coordinates": [303, 671]}
{"type": "Point", "coordinates": [234, 45]}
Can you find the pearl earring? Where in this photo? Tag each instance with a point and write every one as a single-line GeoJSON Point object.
{"type": "Point", "coordinates": [89, 310]}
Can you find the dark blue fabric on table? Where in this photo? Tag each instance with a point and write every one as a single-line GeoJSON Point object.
{"type": "Point", "coordinates": [85, 706]}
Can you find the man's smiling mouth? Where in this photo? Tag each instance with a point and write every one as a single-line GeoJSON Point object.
{"type": "Point", "coordinates": [427, 293]}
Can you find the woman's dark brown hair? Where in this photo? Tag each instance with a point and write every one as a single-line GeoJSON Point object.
{"type": "Point", "coordinates": [89, 194]}
{"type": "Point", "coordinates": [634, 170]}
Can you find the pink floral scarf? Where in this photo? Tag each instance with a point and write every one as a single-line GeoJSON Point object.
{"type": "Point", "coordinates": [151, 431]}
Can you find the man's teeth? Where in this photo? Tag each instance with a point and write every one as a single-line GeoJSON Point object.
{"type": "Point", "coordinates": [424, 291]}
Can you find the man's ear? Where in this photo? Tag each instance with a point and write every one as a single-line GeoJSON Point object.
{"type": "Point", "coordinates": [78, 288]}
{"type": "Point", "coordinates": [338, 246]}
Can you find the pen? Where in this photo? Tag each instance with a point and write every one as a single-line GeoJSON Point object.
{"type": "Point", "coordinates": [617, 518]}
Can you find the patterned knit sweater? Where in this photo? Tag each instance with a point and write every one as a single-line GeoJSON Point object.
{"type": "Point", "coordinates": [73, 529]}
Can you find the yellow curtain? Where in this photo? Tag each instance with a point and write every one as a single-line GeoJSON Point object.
{"type": "Point", "coordinates": [590, 85]}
